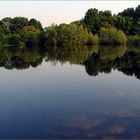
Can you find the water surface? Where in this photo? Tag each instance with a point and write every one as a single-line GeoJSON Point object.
{"type": "Point", "coordinates": [96, 98]}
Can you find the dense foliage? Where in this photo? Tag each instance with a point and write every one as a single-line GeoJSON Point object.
{"type": "Point", "coordinates": [97, 27]}
{"type": "Point", "coordinates": [128, 21]}
{"type": "Point", "coordinates": [111, 35]}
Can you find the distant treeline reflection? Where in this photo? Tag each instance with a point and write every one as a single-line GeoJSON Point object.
{"type": "Point", "coordinates": [95, 59]}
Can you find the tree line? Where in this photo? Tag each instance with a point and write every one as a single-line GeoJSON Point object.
{"type": "Point", "coordinates": [97, 27]}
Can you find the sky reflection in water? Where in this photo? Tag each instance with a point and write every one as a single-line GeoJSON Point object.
{"type": "Point", "coordinates": [62, 101]}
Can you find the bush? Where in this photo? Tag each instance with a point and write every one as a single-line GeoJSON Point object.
{"type": "Point", "coordinates": [120, 38]}
{"type": "Point", "coordinates": [112, 36]}
{"type": "Point", "coordinates": [66, 35]}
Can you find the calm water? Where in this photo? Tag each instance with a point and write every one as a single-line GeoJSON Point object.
{"type": "Point", "coordinates": [63, 101]}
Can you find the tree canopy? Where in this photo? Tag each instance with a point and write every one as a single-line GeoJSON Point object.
{"type": "Point", "coordinates": [97, 27]}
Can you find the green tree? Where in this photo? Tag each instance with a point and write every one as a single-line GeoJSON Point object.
{"type": "Point", "coordinates": [35, 23]}
{"type": "Point", "coordinates": [92, 20]}
{"type": "Point", "coordinates": [18, 23]}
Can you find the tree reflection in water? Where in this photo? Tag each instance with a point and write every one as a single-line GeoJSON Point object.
{"type": "Point", "coordinates": [96, 59]}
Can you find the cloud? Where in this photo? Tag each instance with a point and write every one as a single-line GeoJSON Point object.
{"type": "Point", "coordinates": [118, 129]}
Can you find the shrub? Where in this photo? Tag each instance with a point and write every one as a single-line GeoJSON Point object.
{"type": "Point", "coordinates": [120, 38]}
{"type": "Point", "coordinates": [112, 36]}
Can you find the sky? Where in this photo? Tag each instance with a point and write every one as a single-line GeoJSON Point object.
{"type": "Point", "coordinates": [49, 12]}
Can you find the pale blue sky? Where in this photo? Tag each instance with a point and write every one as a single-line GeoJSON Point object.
{"type": "Point", "coordinates": [49, 12]}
